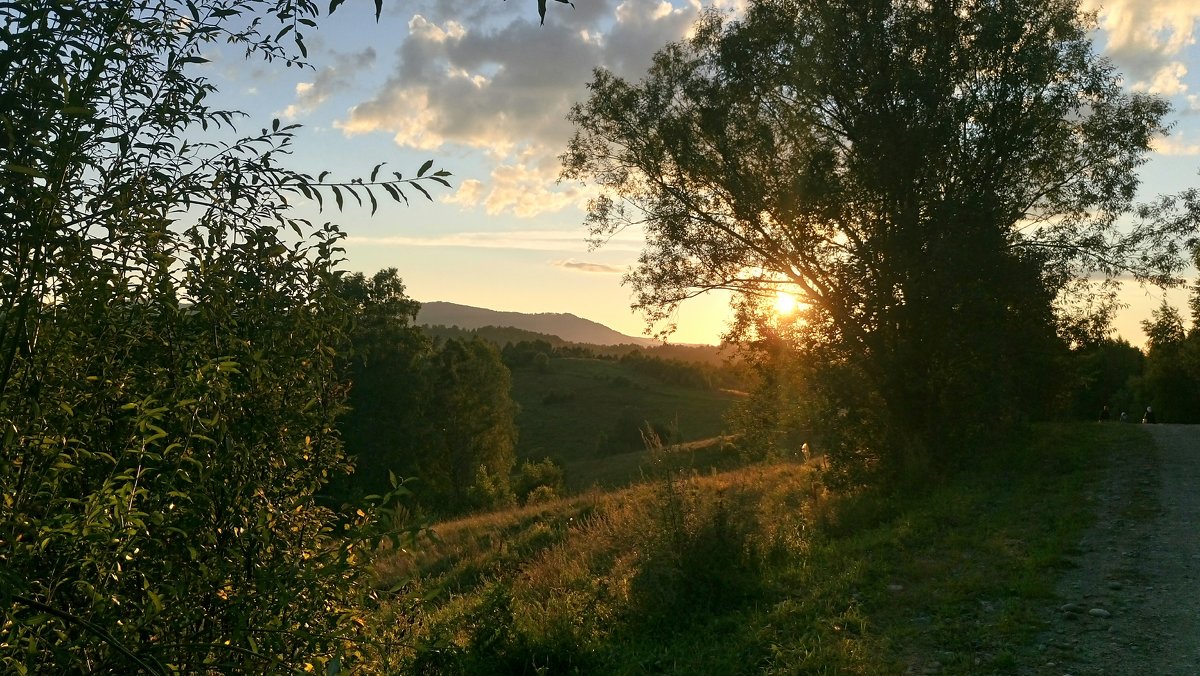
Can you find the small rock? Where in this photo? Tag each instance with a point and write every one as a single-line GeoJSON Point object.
{"type": "Point", "coordinates": [1115, 585]}
{"type": "Point", "coordinates": [895, 587]}
{"type": "Point", "coordinates": [1072, 608]}
{"type": "Point", "coordinates": [1099, 612]}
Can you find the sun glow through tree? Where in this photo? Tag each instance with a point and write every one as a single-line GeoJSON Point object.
{"type": "Point", "coordinates": [785, 304]}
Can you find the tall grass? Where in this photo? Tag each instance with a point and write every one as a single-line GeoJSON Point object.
{"type": "Point", "coordinates": [758, 570]}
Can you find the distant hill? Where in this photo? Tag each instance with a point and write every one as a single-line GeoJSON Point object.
{"type": "Point", "coordinates": [566, 326]}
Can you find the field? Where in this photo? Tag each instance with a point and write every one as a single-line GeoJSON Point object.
{"type": "Point", "coordinates": [757, 570]}
{"type": "Point", "coordinates": [579, 409]}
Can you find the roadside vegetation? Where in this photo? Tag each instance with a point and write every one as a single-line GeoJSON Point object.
{"type": "Point", "coordinates": [760, 570]}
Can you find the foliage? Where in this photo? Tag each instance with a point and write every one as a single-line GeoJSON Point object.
{"type": "Point", "coordinates": [539, 481]}
{"type": "Point", "coordinates": [927, 179]}
{"type": "Point", "coordinates": [470, 447]}
{"type": "Point", "coordinates": [526, 354]}
{"type": "Point", "coordinates": [169, 340]}
{"type": "Point", "coordinates": [1170, 383]}
{"type": "Point", "coordinates": [769, 422]}
{"type": "Point", "coordinates": [439, 412]}
{"type": "Point", "coordinates": [1164, 328]}
{"type": "Point", "coordinates": [387, 412]}
{"type": "Point", "coordinates": [1106, 373]}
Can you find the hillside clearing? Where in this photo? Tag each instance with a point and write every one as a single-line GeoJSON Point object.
{"type": "Point", "coordinates": [760, 571]}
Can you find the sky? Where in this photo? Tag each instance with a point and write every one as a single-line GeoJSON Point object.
{"type": "Point", "coordinates": [483, 90]}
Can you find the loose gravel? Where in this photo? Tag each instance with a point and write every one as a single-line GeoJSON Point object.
{"type": "Point", "coordinates": [1131, 602]}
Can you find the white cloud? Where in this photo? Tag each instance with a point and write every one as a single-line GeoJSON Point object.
{"type": "Point", "coordinates": [1174, 146]}
{"type": "Point", "coordinates": [529, 240]}
{"type": "Point", "coordinates": [524, 190]}
{"type": "Point", "coordinates": [505, 85]}
{"type": "Point", "coordinates": [1145, 38]}
{"type": "Point", "coordinates": [583, 266]}
{"type": "Point", "coordinates": [328, 81]}
{"type": "Point", "coordinates": [469, 194]}
{"type": "Point", "coordinates": [1168, 81]}
{"type": "Point", "coordinates": [421, 28]}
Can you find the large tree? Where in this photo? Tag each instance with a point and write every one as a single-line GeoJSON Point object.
{"type": "Point", "coordinates": [927, 178]}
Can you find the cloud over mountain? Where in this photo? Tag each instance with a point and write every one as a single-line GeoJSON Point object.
{"type": "Point", "coordinates": [582, 266]}
{"type": "Point", "coordinates": [481, 76]}
{"type": "Point", "coordinates": [505, 84]}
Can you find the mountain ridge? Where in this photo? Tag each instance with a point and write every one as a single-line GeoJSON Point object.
{"type": "Point", "coordinates": [565, 325]}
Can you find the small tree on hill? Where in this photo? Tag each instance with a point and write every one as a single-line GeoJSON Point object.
{"type": "Point", "coordinates": [388, 407]}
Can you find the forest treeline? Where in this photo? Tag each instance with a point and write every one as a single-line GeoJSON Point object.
{"type": "Point", "coordinates": [1165, 378]}
{"type": "Point", "coordinates": [436, 405]}
{"type": "Point", "coordinates": [712, 355]}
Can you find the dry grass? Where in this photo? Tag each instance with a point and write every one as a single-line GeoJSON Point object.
{"type": "Point", "coordinates": [757, 570]}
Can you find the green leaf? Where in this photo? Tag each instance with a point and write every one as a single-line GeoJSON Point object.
{"type": "Point", "coordinates": [21, 169]}
{"type": "Point", "coordinates": [424, 168]}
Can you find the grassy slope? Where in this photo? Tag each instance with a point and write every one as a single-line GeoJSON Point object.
{"type": "Point", "coordinates": [583, 408]}
{"type": "Point", "coordinates": [758, 571]}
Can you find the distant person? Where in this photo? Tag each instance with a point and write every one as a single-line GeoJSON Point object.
{"type": "Point", "coordinates": [1124, 416]}
{"type": "Point", "coordinates": [1104, 414]}
{"type": "Point", "coordinates": [1149, 417]}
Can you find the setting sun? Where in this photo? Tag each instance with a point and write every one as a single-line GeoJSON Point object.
{"type": "Point", "coordinates": [785, 303]}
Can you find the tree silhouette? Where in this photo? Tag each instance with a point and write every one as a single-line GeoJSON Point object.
{"type": "Point", "coordinates": [927, 179]}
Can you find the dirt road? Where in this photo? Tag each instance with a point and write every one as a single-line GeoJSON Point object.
{"type": "Point", "coordinates": [1133, 603]}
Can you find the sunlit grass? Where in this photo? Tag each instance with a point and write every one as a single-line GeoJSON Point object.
{"type": "Point", "coordinates": [759, 570]}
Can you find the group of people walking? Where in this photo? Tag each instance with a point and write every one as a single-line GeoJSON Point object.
{"type": "Point", "coordinates": [1147, 418]}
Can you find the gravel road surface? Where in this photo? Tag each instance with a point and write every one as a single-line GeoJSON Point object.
{"type": "Point", "coordinates": [1132, 604]}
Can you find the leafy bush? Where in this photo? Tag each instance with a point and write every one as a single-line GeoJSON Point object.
{"type": "Point", "coordinates": [544, 477]}
{"type": "Point", "coordinates": [169, 341]}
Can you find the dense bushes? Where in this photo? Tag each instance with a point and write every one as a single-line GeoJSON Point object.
{"type": "Point", "coordinates": [169, 341]}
